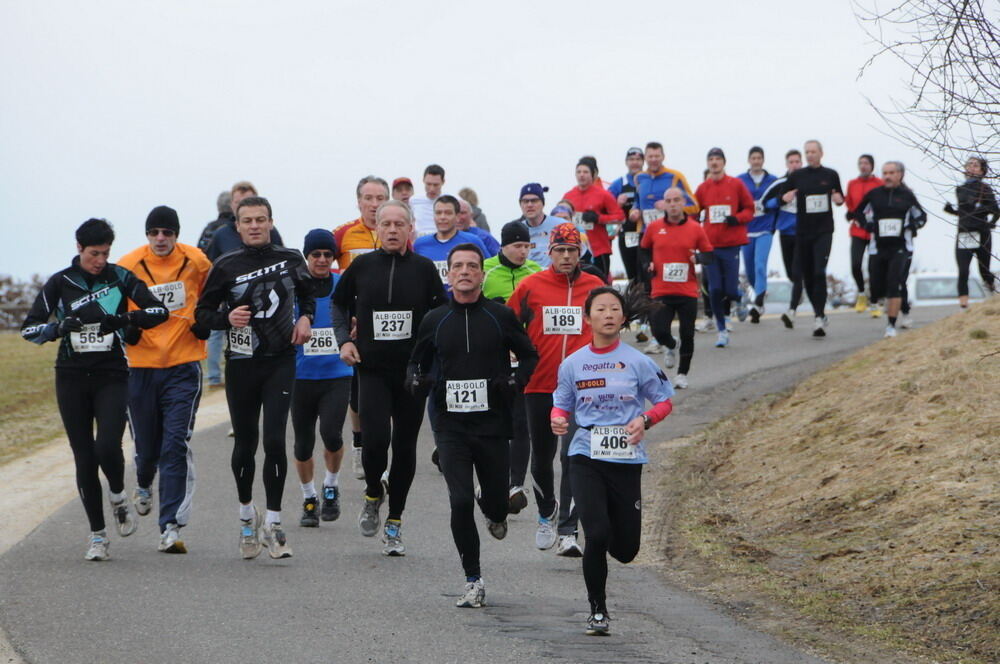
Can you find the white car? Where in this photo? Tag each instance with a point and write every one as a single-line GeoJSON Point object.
{"type": "Point", "coordinates": [927, 289]}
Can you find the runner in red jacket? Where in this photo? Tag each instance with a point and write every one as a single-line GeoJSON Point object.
{"type": "Point", "coordinates": [856, 190]}
{"type": "Point", "coordinates": [595, 207]}
{"type": "Point", "coordinates": [550, 303]}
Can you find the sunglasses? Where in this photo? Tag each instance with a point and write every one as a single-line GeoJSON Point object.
{"type": "Point", "coordinates": [320, 254]}
{"type": "Point", "coordinates": [165, 232]}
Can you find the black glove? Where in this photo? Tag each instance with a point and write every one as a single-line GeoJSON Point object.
{"type": "Point", "coordinates": [704, 258]}
{"type": "Point", "coordinates": [69, 324]}
{"type": "Point", "coordinates": [732, 221]}
{"type": "Point", "coordinates": [201, 331]}
{"type": "Point", "coordinates": [417, 384]}
{"type": "Point", "coordinates": [851, 216]}
{"type": "Point", "coordinates": [133, 333]}
{"type": "Point", "coordinates": [114, 322]}
{"type": "Point", "coordinates": [628, 226]}
{"type": "Point", "coordinates": [589, 217]}
{"type": "Point", "coordinates": [950, 209]}
{"type": "Point", "coordinates": [506, 385]}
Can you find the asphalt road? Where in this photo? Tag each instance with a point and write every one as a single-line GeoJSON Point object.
{"type": "Point", "coordinates": [339, 600]}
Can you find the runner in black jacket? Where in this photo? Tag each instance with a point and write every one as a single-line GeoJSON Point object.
{"type": "Point", "coordinates": [257, 287]}
{"type": "Point", "coordinates": [469, 340]}
{"type": "Point", "coordinates": [386, 293]}
{"type": "Point", "coordinates": [89, 301]}
{"type": "Point", "coordinates": [977, 214]}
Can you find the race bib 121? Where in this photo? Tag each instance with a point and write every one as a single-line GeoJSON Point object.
{"type": "Point", "coordinates": [466, 396]}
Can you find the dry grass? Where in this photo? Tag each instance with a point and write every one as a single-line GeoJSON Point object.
{"type": "Point", "coordinates": [867, 499]}
{"type": "Point", "coordinates": [28, 413]}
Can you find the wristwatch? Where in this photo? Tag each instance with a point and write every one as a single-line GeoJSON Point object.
{"type": "Point", "coordinates": [647, 421]}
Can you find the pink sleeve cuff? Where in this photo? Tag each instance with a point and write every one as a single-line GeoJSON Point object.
{"type": "Point", "coordinates": [660, 411]}
{"type": "Point", "coordinates": [558, 412]}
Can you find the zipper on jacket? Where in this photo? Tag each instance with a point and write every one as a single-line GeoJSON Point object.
{"type": "Point", "coordinates": [468, 349]}
{"type": "Point", "coordinates": [392, 273]}
{"type": "Point", "coordinates": [569, 303]}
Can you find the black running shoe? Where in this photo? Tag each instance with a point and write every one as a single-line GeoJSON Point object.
{"type": "Point", "coordinates": [331, 504]}
{"type": "Point", "coordinates": [598, 624]}
{"type": "Point", "coordinates": [434, 459]}
{"type": "Point", "coordinates": [310, 519]}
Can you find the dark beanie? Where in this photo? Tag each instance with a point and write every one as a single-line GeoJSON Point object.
{"type": "Point", "coordinates": [318, 238]}
{"type": "Point", "coordinates": [163, 217]}
{"type": "Point", "coordinates": [514, 231]}
{"type": "Point", "coordinates": [716, 152]}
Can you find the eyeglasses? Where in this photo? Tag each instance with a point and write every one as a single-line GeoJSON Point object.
{"type": "Point", "coordinates": [320, 254]}
{"type": "Point", "coordinates": [529, 201]}
{"type": "Point", "coordinates": [165, 232]}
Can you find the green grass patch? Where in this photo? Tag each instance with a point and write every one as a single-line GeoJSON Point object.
{"type": "Point", "coordinates": [28, 412]}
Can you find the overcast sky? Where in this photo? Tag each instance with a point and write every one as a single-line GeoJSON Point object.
{"type": "Point", "coordinates": [109, 108]}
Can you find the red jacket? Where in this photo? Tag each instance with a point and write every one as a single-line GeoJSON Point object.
{"type": "Point", "coordinates": [548, 300]}
{"type": "Point", "coordinates": [856, 190]}
{"type": "Point", "coordinates": [596, 199]}
{"type": "Point", "coordinates": [673, 248]}
{"type": "Point", "coordinates": [720, 199]}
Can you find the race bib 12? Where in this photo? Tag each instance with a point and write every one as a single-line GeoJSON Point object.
{"type": "Point", "coordinates": [817, 203]}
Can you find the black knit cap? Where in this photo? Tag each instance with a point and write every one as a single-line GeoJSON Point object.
{"type": "Point", "coordinates": [514, 231]}
{"type": "Point", "coordinates": [163, 217]}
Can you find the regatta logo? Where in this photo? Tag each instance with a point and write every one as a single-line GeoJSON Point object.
{"type": "Point", "coordinates": [590, 384]}
{"type": "Point", "coordinates": [261, 272]}
{"type": "Point", "coordinates": [604, 366]}
{"type": "Point", "coordinates": [92, 297]}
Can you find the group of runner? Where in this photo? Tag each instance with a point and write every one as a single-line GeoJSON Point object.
{"type": "Point", "coordinates": [512, 347]}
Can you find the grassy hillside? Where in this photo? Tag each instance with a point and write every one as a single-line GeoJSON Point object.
{"type": "Point", "coordinates": [867, 499]}
{"type": "Point", "coordinates": [28, 413]}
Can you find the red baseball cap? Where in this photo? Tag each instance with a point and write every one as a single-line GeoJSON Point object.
{"type": "Point", "coordinates": [399, 181]}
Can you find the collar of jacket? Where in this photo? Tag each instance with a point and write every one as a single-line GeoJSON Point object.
{"type": "Point", "coordinates": [506, 262]}
{"type": "Point", "coordinates": [104, 274]}
{"type": "Point", "coordinates": [461, 306]}
{"type": "Point", "coordinates": [572, 276]}
{"type": "Point", "coordinates": [259, 251]}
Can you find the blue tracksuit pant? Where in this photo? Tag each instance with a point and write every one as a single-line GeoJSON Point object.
{"type": "Point", "coordinates": [724, 282]}
{"type": "Point", "coordinates": [755, 255]}
{"type": "Point", "coordinates": [162, 405]}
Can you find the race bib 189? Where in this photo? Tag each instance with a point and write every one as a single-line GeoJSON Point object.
{"type": "Point", "coordinates": [322, 342]}
{"type": "Point", "coordinates": [241, 340]}
{"type": "Point", "coordinates": [676, 272]}
{"type": "Point", "coordinates": [631, 239]}
{"type": "Point", "coordinates": [817, 203]}
{"type": "Point", "coordinates": [649, 216]}
{"type": "Point", "coordinates": [610, 443]}
{"type": "Point", "coordinates": [442, 268]}
{"type": "Point", "coordinates": [172, 294]}
{"type": "Point", "coordinates": [717, 214]}
{"type": "Point", "coordinates": [392, 325]}
{"type": "Point", "coordinates": [968, 240]}
{"type": "Point", "coordinates": [562, 320]}
{"type": "Point", "coordinates": [90, 339]}
{"type": "Point", "coordinates": [466, 396]}
{"type": "Point", "coordinates": [890, 227]}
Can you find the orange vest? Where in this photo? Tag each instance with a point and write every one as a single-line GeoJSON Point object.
{"type": "Point", "coordinates": [352, 240]}
{"type": "Point", "coordinates": [176, 280]}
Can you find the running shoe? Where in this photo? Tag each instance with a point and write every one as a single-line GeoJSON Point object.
{"type": "Point", "coordinates": [755, 313]}
{"type": "Point", "coordinates": [231, 433]}
{"type": "Point", "coordinates": [517, 500]}
{"type": "Point", "coordinates": [723, 339]}
{"type": "Point", "coordinates": [142, 500]}
{"type": "Point", "coordinates": [598, 624]}
{"type": "Point", "coordinates": [356, 466]}
{"type": "Point", "coordinates": [250, 544]}
{"type": "Point", "coordinates": [890, 332]}
{"type": "Point", "coordinates": [497, 528]}
{"type": "Point", "coordinates": [742, 311]}
{"type": "Point", "coordinates": [474, 596]}
{"type": "Point", "coordinates": [309, 517]}
{"type": "Point", "coordinates": [436, 460]}
{"type": "Point", "coordinates": [861, 304]}
{"type": "Point", "coordinates": [681, 381]}
{"type": "Point", "coordinates": [788, 318]}
{"type": "Point", "coordinates": [819, 326]}
{"type": "Point", "coordinates": [385, 482]}
{"type": "Point", "coordinates": [275, 541]}
{"type": "Point", "coordinates": [706, 325]}
{"type": "Point", "coordinates": [568, 547]}
{"type": "Point", "coordinates": [652, 348]}
{"type": "Point", "coordinates": [545, 536]}
{"type": "Point", "coordinates": [669, 358]}
{"type": "Point", "coordinates": [876, 311]}
{"type": "Point", "coordinates": [906, 322]}
{"type": "Point", "coordinates": [641, 336]}
{"type": "Point", "coordinates": [99, 548]}
{"type": "Point", "coordinates": [369, 519]}
{"type": "Point", "coordinates": [331, 503]}
{"type": "Point", "coordinates": [393, 539]}
{"type": "Point", "coordinates": [170, 540]}
{"type": "Point", "coordinates": [124, 514]}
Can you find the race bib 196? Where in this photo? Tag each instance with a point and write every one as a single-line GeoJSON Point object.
{"type": "Point", "coordinates": [968, 240]}
{"type": "Point", "coordinates": [90, 339]}
{"type": "Point", "coordinates": [717, 214]}
{"type": "Point", "coordinates": [890, 227]}
{"type": "Point", "coordinates": [631, 239]}
{"type": "Point", "coordinates": [322, 342]}
{"type": "Point", "coordinates": [817, 203]}
{"type": "Point", "coordinates": [610, 443]}
{"type": "Point", "coordinates": [172, 294]}
{"type": "Point", "coordinates": [392, 325]}
{"type": "Point", "coordinates": [241, 340]}
{"type": "Point", "coordinates": [649, 216]}
{"type": "Point", "coordinates": [442, 268]}
{"type": "Point", "coordinates": [466, 396]}
{"type": "Point", "coordinates": [562, 320]}
{"type": "Point", "coordinates": [676, 272]}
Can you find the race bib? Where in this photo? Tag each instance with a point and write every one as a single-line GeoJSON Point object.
{"type": "Point", "coordinates": [890, 227]}
{"type": "Point", "coordinates": [392, 325]}
{"type": "Point", "coordinates": [610, 443]}
{"type": "Point", "coordinates": [631, 239]}
{"type": "Point", "coordinates": [817, 203]}
{"type": "Point", "coordinates": [241, 340]}
{"type": "Point", "coordinates": [466, 396]}
{"type": "Point", "coordinates": [758, 208]}
{"type": "Point", "coordinates": [578, 220]}
{"type": "Point", "coordinates": [717, 214]}
{"type": "Point", "coordinates": [442, 268]}
{"type": "Point", "coordinates": [90, 339]}
{"type": "Point", "coordinates": [360, 252]}
{"type": "Point", "coordinates": [172, 295]}
{"type": "Point", "coordinates": [676, 272]}
{"type": "Point", "coordinates": [562, 320]}
{"type": "Point", "coordinates": [968, 240]}
{"type": "Point", "coordinates": [649, 216]}
{"type": "Point", "coordinates": [322, 342]}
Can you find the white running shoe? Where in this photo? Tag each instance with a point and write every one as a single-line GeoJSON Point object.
{"type": "Point", "coordinates": [356, 466]}
{"type": "Point", "coordinates": [681, 381]}
{"type": "Point", "coordinates": [385, 482]}
{"type": "Point", "coordinates": [142, 500]}
{"type": "Point", "coordinates": [250, 544]}
{"type": "Point", "coordinates": [124, 515]}
{"type": "Point", "coordinates": [788, 318]}
{"type": "Point", "coordinates": [99, 546]}
{"type": "Point", "coordinates": [906, 322]}
{"type": "Point", "coordinates": [392, 537]}
{"type": "Point", "coordinates": [568, 547]}
{"type": "Point", "coordinates": [275, 541]}
{"type": "Point", "coordinates": [170, 540]}
{"type": "Point", "coordinates": [723, 339]}
{"type": "Point", "coordinates": [890, 332]}
{"type": "Point", "coordinates": [652, 348]}
{"type": "Point", "coordinates": [706, 325]}
{"type": "Point", "coordinates": [369, 519]}
{"type": "Point", "coordinates": [669, 358]}
{"type": "Point", "coordinates": [474, 596]}
{"type": "Point", "coordinates": [819, 326]}
{"type": "Point", "coordinates": [545, 536]}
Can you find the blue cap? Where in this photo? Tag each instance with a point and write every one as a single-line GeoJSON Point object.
{"type": "Point", "coordinates": [318, 238]}
{"type": "Point", "coordinates": [533, 188]}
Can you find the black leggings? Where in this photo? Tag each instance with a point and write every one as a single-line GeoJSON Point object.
{"type": "Point", "coordinates": [609, 496]}
{"type": "Point", "coordinates": [253, 384]}
{"type": "Point", "coordinates": [888, 269]}
{"type": "Point", "coordinates": [629, 256]}
{"type": "Point", "coordinates": [706, 300]}
{"type": "Point", "coordinates": [86, 397]}
{"type": "Point", "coordinates": [603, 263]}
{"type": "Point", "coordinates": [459, 454]}
{"type": "Point", "coordinates": [811, 256]}
{"type": "Point", "coordinates": [390, 417]}
{"type": "Point", "coordinates": [686, 309]}
{"type": "Point", "coordinates": [791, 269]}
{"type": "Point", "coordinates": [859, 248]}
{"type": "Point", "coordinates": [324, 399]}
{"type": "Point", "coordinates": [964, 257]}
{"type": "Point", "coordinates": [543, 451]}
{"type": "Point", "coordinates": [520, 443]}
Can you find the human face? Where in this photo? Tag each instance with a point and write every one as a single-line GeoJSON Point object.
{"type": "Point", "coordinates": [756, 162]}
{"type": "Point", "coordinates": [891, 175]}
{"type": "Point", "coordinates": [393, 229]}
{"type": "Point", "coordinates": [372, 195]}
{"type": "Point", "coordinates": [94, 258]}
{"type": "Point", "coordinates": [531, 207]}
{"type": "Point", "coordinates": [564, 215]}
{"type": "Point", "coordinates": [403, 192]}
{"type": "Point", "coordinates": [974, 169]}
{"type": "Point", "coordinates": [239, 195]}
{"type": "Point", "coordinates": [516, 252]}
{"type": "Point", "coordinates": [634, 163]}
{"type": "Point", "coordinates": [814, 154]}
{"type": "Point", "coordinates": [161, 240]}
{"type": "Point", "coordinates": [793, 162]}
{"type": "Point", "coordinates": [254, 225]}
{"type": "Point", "coordinates": [445, 218]}
{"type": "Point", "coordinates": [673, 200]}
{"type": "Point", "coordinates": [565, 258]}
{"type": "Point", "coordinates": [464, 216]}
{"type": "Point", "coordinates": [654, 160]}
{"type": "Point", "coordinates": [319, 262]}
{"type": "Point", "coordinates": [716, 166]}
{"type": "Point", "coordinates": [432, 186]}
{"type": "Point", "coordinates": [865, 167]}
{"type": "Point", "coordinates": [465, 274]}
{"type": "Point", "coordinates": [606, 316]}
{"type": "Point", "coordinates": [584, 178]}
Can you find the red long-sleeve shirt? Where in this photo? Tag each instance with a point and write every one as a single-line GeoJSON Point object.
{"type": "Point", "coordinates": [673, 247]}
{"type": "Point", "coordinates": [596, 199]}
{"type": "Point", "coordinates": [856, 190]}
{"type": "Point", "coordinates": [720, 199]}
